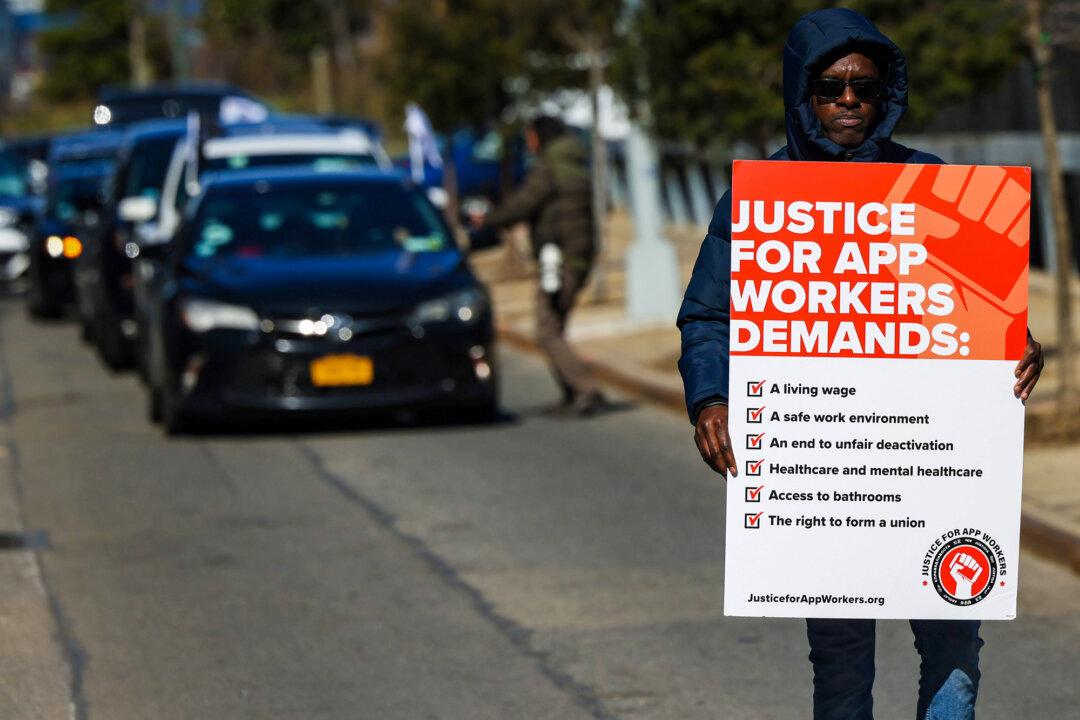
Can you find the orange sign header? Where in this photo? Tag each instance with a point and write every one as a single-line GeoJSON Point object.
{"type": "Point", "coordinates": [879, 260]}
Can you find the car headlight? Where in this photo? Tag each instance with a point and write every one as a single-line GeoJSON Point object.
{"type": "Point", "coordinates": [8, 217]}
{"type": "Point", "coordinates": [205, 315]}
{"type": "Point", "coordinates": [465, 306]}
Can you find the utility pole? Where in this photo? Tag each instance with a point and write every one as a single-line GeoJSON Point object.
{"type": "Point", "coordinates": [599, 171]}
{"type": "Point", "coordinates": [178, 40]}
{"type": "Point", "coordinates": [321, 83]}
{"type": "Point", "coordinates": [1041, 55]}
{"type": "Point", "coordinates": [141, 72]}
{"type": "Point", "coordinates": [653, 284]}
{"type": "Point", "coordinates": [344, 54]}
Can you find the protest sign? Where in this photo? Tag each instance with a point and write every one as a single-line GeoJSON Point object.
{"type": "Point", "coordinates": [877, 315]}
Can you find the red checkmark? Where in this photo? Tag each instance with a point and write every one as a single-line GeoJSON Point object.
{"type": "Point", "coordinates": [752, 520]}
{"type": "Point", "coordinates": [754, 467]}
{"type": "Point", "coordinates": [755, 414]}
{"type": "Point", "coordinates": [755, 442]}
{"type": "Point", "coordinates": [757, 388]}
{"type": "Point", "coordinates": [755, 492]}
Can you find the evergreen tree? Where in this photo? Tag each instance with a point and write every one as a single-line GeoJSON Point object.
{"type": "Point", "coordinates": [713, 67]}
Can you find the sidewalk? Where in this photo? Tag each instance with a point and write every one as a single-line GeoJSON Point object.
{"type": "Point", "coordinates": [642, 361]}
{"type": "Point", "coordinates": [35, 672]}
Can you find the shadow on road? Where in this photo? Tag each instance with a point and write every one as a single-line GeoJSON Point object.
{"type": "Point", "coordinates": [395, 421]}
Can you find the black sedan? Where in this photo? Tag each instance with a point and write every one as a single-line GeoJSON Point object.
{"type": "Point", "coordinates": [294, 291]}
{"type": "Point", "coordinates": [73, 206]}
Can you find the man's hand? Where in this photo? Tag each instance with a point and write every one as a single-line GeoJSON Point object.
{"type": "Point", "coordinates": [1028, 369]}
{"type": "Point", "coordinates": [713, 441]}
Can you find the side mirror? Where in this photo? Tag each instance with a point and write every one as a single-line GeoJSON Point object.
{"type": "Point", "coordinates": [137, 209]}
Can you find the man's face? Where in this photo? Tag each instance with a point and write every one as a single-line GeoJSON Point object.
{"type": "Point", "coordinates": [847, 120]}
{"type": "Point", "coordinates": [532, 141]}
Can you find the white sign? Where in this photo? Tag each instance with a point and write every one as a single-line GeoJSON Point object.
{"type": "Point", "coordinates": [871, 402]}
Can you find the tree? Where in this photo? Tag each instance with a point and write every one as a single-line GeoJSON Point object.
{"type": "Point", "coordinates": [1040, 41]}
{"type": "Point", "coordinates": [267, 44]}
{"type": "Point", "coordinates": [472, 62]}
{"type": "Point", "coordinates": [451, 58]}
{"type": "Point", "coordinates": [727, 56]}
{"type": "Point", "coordinates": [93, 49]}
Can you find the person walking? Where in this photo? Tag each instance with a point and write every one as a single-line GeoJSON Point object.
{"type": "Point", "coordinates": [556, 201]}
{"type": "Point", "coordinates": [845, 90]}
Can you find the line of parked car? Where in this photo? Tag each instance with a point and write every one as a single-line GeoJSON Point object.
{"type": "Point", "coordinates": [247, 263]}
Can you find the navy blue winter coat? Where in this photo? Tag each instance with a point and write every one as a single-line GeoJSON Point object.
{"type": "Point", "coordinates": [704, 316]}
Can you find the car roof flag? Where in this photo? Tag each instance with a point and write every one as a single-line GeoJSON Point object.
{"type": "Point", "coordinates": [422, 146]}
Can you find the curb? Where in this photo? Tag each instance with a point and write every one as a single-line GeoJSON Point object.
{"type": "Point", "coordinates": [1050, 541]}
{"type": "Point", "coordinates": [1042, 537]}
{"type": "Point", "coordinates": [620, 375]}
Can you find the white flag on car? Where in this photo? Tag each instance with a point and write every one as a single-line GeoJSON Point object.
{"type": "Point", "coordinates": [422, 145]}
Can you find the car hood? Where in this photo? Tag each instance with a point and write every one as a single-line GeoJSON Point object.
{"type": "Point", "coordinates": [366, 285]}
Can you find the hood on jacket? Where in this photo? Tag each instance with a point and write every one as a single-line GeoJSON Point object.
{"type": "Point", "coordinates": [568, 157]}
{"type": "Point", "coordinates": [815, 37]}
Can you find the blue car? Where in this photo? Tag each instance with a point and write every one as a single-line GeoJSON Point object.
{"type": "Point", "coordinates": [293, 291]}
{"type": "Point", "coordinates": [78, 168]}
{"type": "Point", "coordinates": [18, 211]}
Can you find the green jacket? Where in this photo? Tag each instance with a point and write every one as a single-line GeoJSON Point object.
{"type": "Point", "coordinates": [556, 201]}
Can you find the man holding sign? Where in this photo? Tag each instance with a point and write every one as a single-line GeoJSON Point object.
{"type": "Point", "coordinates": [865, 317]}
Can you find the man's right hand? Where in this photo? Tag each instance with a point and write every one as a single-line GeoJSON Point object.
{"type": "Point", "coordinates": [713, 441]}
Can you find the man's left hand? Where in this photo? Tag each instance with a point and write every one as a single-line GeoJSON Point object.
{"type": "Point", "coordinates": [1028, 369]}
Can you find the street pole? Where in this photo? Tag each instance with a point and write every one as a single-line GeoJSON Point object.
{"type": "Point", "coordinates": [141, 71]}
{"type": "Point", "coordinates": [321, 83]}
{"type": "Point", "coordinates": [177, 40]}
{"type": "Point", "coordinates": [653, 284]}
{"type": "Point", "coordinates": [1041, 57]}
{"type": "Point", "coordinates": [652, 268]}
{"type": "Point", "coordinates": [599, 170]}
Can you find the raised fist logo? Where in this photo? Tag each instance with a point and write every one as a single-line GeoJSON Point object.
{"type": "Point", "coordinates": [965, 571]}
{"type": "Point", "coordinates": [965, 212]}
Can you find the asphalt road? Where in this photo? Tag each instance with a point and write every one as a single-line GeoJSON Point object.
{"type": "Point", "coordinates": [534, 568]}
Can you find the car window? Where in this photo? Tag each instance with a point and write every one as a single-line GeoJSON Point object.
{"type": "Point", "coordinates": [146, 171]}
{"type": "Point", "coordinates": [318, 161]}
{"type": "Point", "coordinates": [12, 178]}
{"type": "Point", "coordinates": [293, 221]}
{"type": "Point", "coordinates": [130, 109]}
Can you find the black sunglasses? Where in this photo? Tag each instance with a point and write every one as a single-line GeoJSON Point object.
{"type": "Point", "coordinates": [830, 89]}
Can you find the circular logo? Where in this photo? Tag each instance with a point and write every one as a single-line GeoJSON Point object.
{"type": "Point", "coordinates": [964, 571]}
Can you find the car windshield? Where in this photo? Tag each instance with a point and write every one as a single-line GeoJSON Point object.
{"type": "Point", "coordinates": [291, 221]}
{"type": "Point", "coordinates": [12, 177]}
{"type": "Point", "coordinates": [149, 163]}
{"type": "Point", "coordinates": [74, 197]}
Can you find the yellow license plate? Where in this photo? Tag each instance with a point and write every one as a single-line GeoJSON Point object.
{"type": "Point", "coordinates": [339, 370]}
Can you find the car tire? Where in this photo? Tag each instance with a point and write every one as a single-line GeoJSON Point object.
{"type": "Point", "coordinates": [37, 304]}
{"type": "Point", "coordinates": [153, 405]}
{"type": "Point", "coordinates": [173, 418]}
{"type": "Point", "coordinates": [141, 366]}
{"type": "Point", "coordinates": [112, 345]}
{"type": "Point", "coordinates": [41, 310]}
{"type": "Point", "coordinates": [86, 331]}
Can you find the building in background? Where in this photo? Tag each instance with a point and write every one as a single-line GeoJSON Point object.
{"type": "Point", "coordinates": [20, 22]}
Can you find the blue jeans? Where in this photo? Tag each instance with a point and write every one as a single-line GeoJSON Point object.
{"type": "Point", "coordinates": [842, 653]}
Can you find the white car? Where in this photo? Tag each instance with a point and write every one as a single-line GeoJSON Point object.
{"type": "Point", "coordinates": [157, 218]}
